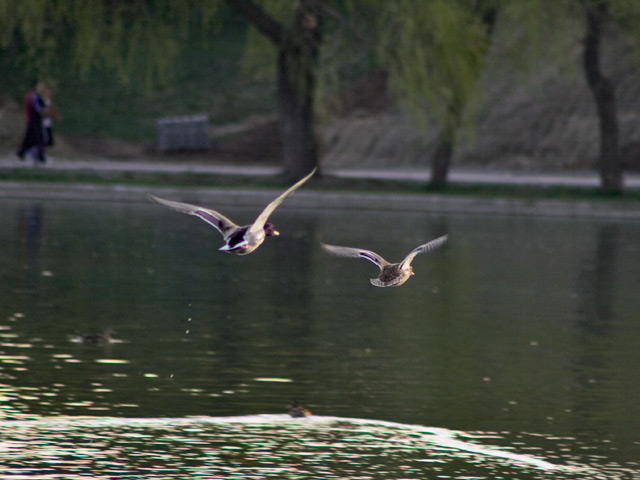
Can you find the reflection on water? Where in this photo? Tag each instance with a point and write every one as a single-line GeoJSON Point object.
{"type": "Point", "coordinates": [275, 446]}
{"type": "Point", "coordinates": [518, 339]}
{"type": "Point", "coordinates": [30, 230]}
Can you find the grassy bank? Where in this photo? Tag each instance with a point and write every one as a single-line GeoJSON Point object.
{"type": "Point", "coordinates": [326, 183]}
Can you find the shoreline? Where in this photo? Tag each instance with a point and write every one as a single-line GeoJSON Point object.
{"type": "Point", "coordinates": [472, 190]}
{"type": "Point", "coordinates": [109, 168]}
{"type": "Point", "coordinates": [620, 209]}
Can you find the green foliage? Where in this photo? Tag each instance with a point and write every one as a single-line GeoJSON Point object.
{"type": "Point", "coordinates": [207, 79]}
{"type": "Point", "coordinates": [626, 13]}
{"type": "Point", "coordinates": [349, 49]}
{"type": "Point", "coordinates": [259, 57]}
{"type": "Point", "coordinates": [204, 76]}
{"type": "Point", "coordinates": [138, 41]}
{"type": "Point", "coordinates": [537, 31]}
{"type": "Point", "coordinates": [37, 26]}
{"type": "Point", "coordinates": [434, 52]}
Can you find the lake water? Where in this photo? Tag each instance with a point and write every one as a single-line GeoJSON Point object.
{"type": "Point", "coordinates": [512, 353]}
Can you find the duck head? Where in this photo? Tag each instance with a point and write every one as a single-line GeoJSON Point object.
{"type": "Point", "coordinates": [270, 230]}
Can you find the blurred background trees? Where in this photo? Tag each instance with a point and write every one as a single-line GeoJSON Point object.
{"type": "Point", "coordinates": [434, 52]}
{"type": "Point", "coordinates": [297, 37]}
{"type": "Point", "coordinates": [120, 64]}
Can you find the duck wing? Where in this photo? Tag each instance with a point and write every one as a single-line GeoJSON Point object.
{"type": "Point", "coordinates": [356, 252]}
{"type": "Point", "coordinates": [432, 245]}
{"type": "Point", "coordinates": [213, 218]}
{"type": "Point", "coordinates": [258, 225]}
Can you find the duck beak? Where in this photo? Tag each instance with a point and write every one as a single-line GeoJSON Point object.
{"type": "Point", "coordinates": [275, 233]}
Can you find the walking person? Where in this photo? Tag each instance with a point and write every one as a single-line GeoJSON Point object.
{"type": "Point", "coordinates": [33, 142]}
{"type": "Point", "coordinates": [50, 114]}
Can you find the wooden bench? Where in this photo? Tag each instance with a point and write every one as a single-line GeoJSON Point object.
{"type": "Point", "coordinates": [183, 133]}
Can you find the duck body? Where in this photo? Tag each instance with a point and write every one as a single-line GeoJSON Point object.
{"type": "Point", "coordinates": [240, 240]}
{"type": "Point", "coordinates": [97, 338]}
{"type": "Point", "coordinates": [391, 274]}
{"type": "Point", "coordinates": [298, 411]}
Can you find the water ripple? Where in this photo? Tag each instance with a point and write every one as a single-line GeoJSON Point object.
{"type": "Point", "coordinates": [274, 446]}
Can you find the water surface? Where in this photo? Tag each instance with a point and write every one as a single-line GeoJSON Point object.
{"type": "Point", "coordinates": [517, 339]}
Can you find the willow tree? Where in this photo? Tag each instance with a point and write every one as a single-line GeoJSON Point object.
{"type": "Point", "coordinates": [434, 53]}
{"type": "Point", "coordinates": [295, 30]}
{"type": "Point", "coordinates": [137, 40]}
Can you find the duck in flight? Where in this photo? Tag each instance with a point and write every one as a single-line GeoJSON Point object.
{"type": "Point", "coordinates": [241, 240]}
{"type": "Point", "coordinates": [391, 274]}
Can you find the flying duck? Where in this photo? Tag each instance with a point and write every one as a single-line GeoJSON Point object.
{"type": "Point", "coordinates": [298, 411]}
{"type": "Point", "coordinates": [391, 274]}
{"type": "Point", "coordinates": [241, 240]}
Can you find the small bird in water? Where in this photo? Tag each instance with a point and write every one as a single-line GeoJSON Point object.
{"type": "Point", "coordinates": [391, 274]}
{"type": "Point", "coordinates": [103, 338]}
{"type": "Point", "coordinates": [241, 240]}
{"type": "Point", "coordinates": [298, 411]}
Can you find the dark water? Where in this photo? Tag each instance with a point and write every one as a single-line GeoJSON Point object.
{"type": "Point", "coordinates": [512, 353]}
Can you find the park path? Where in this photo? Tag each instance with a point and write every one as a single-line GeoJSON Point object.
{"type": "Point", "coordinates": [468, 176]}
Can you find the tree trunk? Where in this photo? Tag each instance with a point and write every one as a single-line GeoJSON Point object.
{"type": "Point", "coordinates": [609, 161]}
{"type": "Point", "coordinates": [441, 160]}
{"type": "Point", "coordinates": [297, 62]}
{"type": "Point", "coordinates": [298, 47]}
